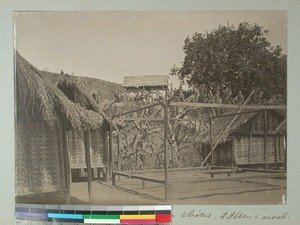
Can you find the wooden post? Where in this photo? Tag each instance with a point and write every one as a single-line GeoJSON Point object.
{"type": "Point", "coordinates": [279, 149]}
{"type": "Point", "coordinates": [111, 158]}
{"type": "Point", "coordinates": [105, 153]}
{"type": "Point", "coordinates": [211, 143]}
{"type": "Point", "coordinates": [250, 142]}
{"type": "Point", "coordinates": [232, 151]}
{"type": "Point", "coordinates": [172, 156]}
{"type": "Point", "coordinates": [67, 162]}
{"type": "Point", "coordinates": [265, 138]}
{"type": "Point", "coordinates": [88, 163]}
{"type": "Point", "coordinates": [285, 151]}
{"type": "Point", "coordinates": [275, 151]}
{"type": "Point", "coordinates": [118, 157]}
{"type": "Point", "coordinates": [166, 124]}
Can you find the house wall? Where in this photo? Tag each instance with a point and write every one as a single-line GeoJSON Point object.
{"type": "Point", "coordinates": [39, 154]}
{"type": "Point", "coordinates": [273, 143]}
{"type": "Point", "coordinates": [77, 149]}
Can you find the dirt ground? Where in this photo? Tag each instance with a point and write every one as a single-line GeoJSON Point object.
{"type": "Point", "coordinates": [188, 188]}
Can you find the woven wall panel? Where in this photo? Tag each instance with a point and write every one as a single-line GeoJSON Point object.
{"type": "Point", "coordinates": [45, 158]}
{"type": "Point", "coordinates": [241, 151]}
{"type": "Point", "coordinates": [77, 149]}
{"type": "Point", "coordinates": [37, 159]}
{"type": "Point", "coordinates": [241, 146]}
{"type": "Point", "coordinates": [21, 178]}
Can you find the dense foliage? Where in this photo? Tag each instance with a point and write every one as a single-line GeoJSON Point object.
{"type": "Point", "coordinates": [231, 60]}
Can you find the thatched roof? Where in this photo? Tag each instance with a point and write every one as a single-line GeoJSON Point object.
{"type": "Point", "coordinates": [145, 81]}
{"type": "Point", "coordinates": [220, 125]}
{"type": "Point", "coordinates": [37, 96]}
{"type": "Point", "coordinates": [77, 95]}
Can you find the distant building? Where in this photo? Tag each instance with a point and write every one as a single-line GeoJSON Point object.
{"type": "Point", "coordinates": [146, 88]}
{"type": "Point", "coordinates": [148, 83]}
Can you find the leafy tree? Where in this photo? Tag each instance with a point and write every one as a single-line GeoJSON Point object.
{"type": "Point", "coordinates": [233, 60]}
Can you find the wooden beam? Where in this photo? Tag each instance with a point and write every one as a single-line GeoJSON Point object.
{"type": "Point", "coordinates": [88, 163]}
{"type": "Point", "coordinates": [166, 126]}
{"type": "Point", "coordinates": [139, 119]}
{"type": "Point", "coordinates": [228, 106]}
{"type": "Point", "coordinates": [234, 114]}
{"type": "Point", "coordinates": [137, 110]}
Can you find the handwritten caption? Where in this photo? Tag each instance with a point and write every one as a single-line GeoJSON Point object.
{"type": "Point", "coordinates": [232, 215]}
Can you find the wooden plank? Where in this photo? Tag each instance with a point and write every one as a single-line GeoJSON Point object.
{"type": "Point", "coordinates": [147, 179]}
{"type": "Point", "coordinates": [124, 174]}
{"type": "Point", "coordinates": [228, 106]}
{"type": "Point", "coordinates": [88, 163]}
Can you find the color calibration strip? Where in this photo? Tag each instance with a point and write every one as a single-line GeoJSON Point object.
{"type": "Point", "coordinates": [96, 214]}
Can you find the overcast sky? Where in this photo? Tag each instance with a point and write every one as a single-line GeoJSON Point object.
{"type": "Point", "coordinates": [111, 45]}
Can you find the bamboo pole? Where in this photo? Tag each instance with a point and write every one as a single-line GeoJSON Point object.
{"type": "Point", "coordinates": [88, 163]}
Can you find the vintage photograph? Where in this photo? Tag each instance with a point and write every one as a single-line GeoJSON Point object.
{"type": "Point", "coordinates": [151, 107]}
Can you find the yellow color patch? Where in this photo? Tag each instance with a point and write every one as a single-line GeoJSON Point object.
{"type": "Point", "coordinates": [133, 217]}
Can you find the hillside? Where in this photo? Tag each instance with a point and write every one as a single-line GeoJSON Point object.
{"type": "Point", "coordinates": [102, 89]}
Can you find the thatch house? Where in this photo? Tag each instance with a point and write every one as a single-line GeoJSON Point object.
{"type": "Point", "coordinates": [150, 82]}
{"type": "Point", "coordinates": [145, 88]}
{"type": "Point", "coordinates": [250, 140]}
{"type": "Point", "coordinates": [43, 116]}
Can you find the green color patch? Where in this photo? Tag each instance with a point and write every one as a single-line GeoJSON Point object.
{"type": "Point", "coordinates": [106, 217]}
